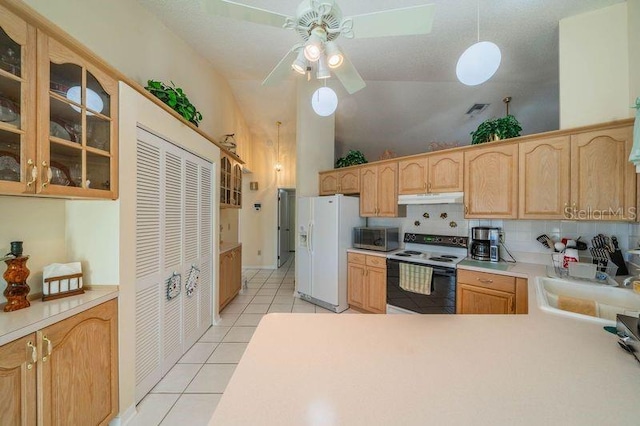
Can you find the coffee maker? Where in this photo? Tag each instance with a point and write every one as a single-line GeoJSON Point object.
{"type": "Point", "coordinates": [485, 243]}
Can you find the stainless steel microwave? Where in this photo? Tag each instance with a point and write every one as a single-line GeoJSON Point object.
{"type": "Point", "coordinates": [376, 238]}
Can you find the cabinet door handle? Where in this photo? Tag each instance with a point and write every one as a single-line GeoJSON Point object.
{"type": "Point", "coordinates": [34, 172]}
{"type": "Point", "coordinates": [466, 209]}
{"type": "Point", "coordinates": [424, 185]}
{"type": "Point", "coordinates": [48, 174]}
{"type": "Point", "coordinates": [34, 355]}
{"type": "Point", "coordinates": [49, 348]}
{"type": "Point", "coordinates": [513, 305]}
{"type": "Point", "coordinates": [429, 187]}
{"type": "Point", "coordinates": [485, 281]}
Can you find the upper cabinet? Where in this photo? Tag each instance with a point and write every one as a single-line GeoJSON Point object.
{"type": "Point", "coordinates": [340, 182]}
{"type": "Point", "coordinates": [544, 178]}
{"type": "Point", "coordinates": [431, 174]}
{"type": "Point", "coordinates": [379, 191]}
{"type": "Point", "coordinates": [58, 117]}
{"type": "Point", "coordinates": [491, 182]}
{"type": "Point", "coordinates": [230, 183]}
{"type": "Point", "coordinates": [17, 104]}
{"type": "Point", "coordinates": [603, 181]}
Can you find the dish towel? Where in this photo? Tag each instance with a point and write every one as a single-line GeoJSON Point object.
{"type": "Point", "coordinates": [634, 157]}
{"type": "Point", "coordinates": [415, 278]}
{"type": "Point", "coordinates": [579, 306]}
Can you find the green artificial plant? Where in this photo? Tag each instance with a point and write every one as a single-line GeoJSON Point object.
{"type": "Point", "coordinates": [176, 99]}
{"type": "Point", "coordinates": [496, 129]}
{"type": "Point", "coordinates": [351, 159]}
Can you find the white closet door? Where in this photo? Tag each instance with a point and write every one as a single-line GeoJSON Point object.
{"type": "Point", "coordinates": [174, 220]}
{"type": "Point", "coordinates": [148, 272]}
{"type": "Point", "coordinates": [172, 338]}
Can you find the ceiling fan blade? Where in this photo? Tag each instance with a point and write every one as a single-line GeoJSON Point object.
{"type": "Point", "coordinates": [282, 70]}
{"type": "Point", "coordinates": [243, 12]}
{"type": "Point", "coordinates": [395, 22]}
{"type": "Point", "coordinates": [349, 77]}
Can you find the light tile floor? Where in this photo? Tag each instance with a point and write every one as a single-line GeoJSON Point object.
{"type": "Point", "coordinates": [191, 390]}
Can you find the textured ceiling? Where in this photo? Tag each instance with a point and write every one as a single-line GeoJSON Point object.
{"type": "Point", "coordinates": [412, 96]}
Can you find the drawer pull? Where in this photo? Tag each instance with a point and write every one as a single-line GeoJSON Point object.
{"type": "Point", "coordinates": [485, 281]}
{"type": "Point", "coordinates": [49, 348]}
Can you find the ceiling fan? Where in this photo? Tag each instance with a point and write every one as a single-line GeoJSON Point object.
{"type": "Point", "coordinates": [319, 24]}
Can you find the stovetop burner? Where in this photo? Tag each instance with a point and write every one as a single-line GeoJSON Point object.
{"type": "Point", "coordinates": [449, 256]}
{"type": "Point", "coordinates": [411, 252]}
{"type": "Point", "coordinates": [403, 254]}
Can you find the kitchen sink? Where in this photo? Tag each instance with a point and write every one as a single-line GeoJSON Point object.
{"type": "Point", "coordinates": [601, 301]}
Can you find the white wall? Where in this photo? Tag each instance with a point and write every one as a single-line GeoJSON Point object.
{"type": "Point", "coordinates": [594, 67]}
{"type": "Point", "coordinates": [40, 224]}
{"type": "Point", "coordinates": [633, 27]}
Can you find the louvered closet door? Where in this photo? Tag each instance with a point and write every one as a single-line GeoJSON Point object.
{"type": "Point", "coordinates": [148, 269]}
{"type": "Point", "coordinates": [173, 234]}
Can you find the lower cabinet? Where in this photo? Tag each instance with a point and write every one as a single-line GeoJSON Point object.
{"type": "Point", "coordinates": [367, 283]}
{"type": "Point", "coordinates": [230, 276]}
{"type": "Point", "coordinates": [64, 374]}
{"type": "Point", "coordinates": [484, 293]}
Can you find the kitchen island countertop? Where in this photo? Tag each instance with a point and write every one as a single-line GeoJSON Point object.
{"type": "Point", "coordinates": [347, 369]}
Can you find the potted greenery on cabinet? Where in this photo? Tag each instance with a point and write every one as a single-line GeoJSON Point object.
{"type": "Point", "coordinates": [496, 129]}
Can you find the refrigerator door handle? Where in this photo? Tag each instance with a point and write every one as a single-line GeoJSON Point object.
{"type": "Point", "coordinates": [310, 238]}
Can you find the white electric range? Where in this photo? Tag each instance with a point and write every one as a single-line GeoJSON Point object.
{"type": "Point", "coordinates": [440, 252]}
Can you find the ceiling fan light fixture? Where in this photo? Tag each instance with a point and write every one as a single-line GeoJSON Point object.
{"type": "Point", "coordinates": [324, 101]}
{"type": "Point", "coordinates": [478, 63]}
{"type": "Point", "coordinates": [323, 70]}
{"type": "Point", "coordinates": [300, 64]}
{"type": "Point", "coordinates": [313, 48]}
{"type": "Point", "coordinates": [335, 58]}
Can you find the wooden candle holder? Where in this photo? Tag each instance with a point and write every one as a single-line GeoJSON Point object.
{"type": "Point", "coordinates": [17, 288]}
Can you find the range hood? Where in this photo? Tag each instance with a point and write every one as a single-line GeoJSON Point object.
{"type": "Point", "coordinates": [443, 198]}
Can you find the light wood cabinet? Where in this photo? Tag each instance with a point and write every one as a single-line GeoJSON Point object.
{"type": "Point", "coordinates": [491, 182]}
{"type": "Point", "coordinates": [433, 173]}
{"type": "Point", "coordinates": [67, 373]}
{"type": "Point", "coordinates": [379, 191]}
{"type": "Point", "coordinates": [367, 283]}
{"type": "Point", "coordinates": [603, 183]}
{"type": "Point", "coordinates": [340, 182]}
{"type": "Point", "coordinates": [486, 293]}
{"type": "Point", "coordinates": [60, 120]}
{"type": "Point", "coordinates": [230, 276]}
{"type": "Point", "coordinates": [18, 360]}
{"type": "Point", "coordinates": [544, 167]}
{"type": "Point", "coordinates": [230, 183]}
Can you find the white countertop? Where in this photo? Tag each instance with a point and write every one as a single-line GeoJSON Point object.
{"type": "Point", "coordinates": [305, 369]}
{"type": "Point", "coordinates": [225, 247]}
{"type": "Point", "coordinates": [16, 324]}
{"type": "Point", "coordinates": [369, 252]}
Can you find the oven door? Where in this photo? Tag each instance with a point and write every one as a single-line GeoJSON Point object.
{"type": "Point", "coordinates": [442, 299]}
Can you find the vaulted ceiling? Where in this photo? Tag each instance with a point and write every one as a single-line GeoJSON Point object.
{"type": "Point", "coordinates": [412, 98]}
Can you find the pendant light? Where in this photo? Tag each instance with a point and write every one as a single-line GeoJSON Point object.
{"type": "Point", "coordinates": [324, 101]}
{"type": "Point", "coordinates": [480, 61]}
{"type": "Point", "coordinates": [278, 166]}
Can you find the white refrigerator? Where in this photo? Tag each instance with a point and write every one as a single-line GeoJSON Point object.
{"type": "Point", "coordinates": [325, 231]}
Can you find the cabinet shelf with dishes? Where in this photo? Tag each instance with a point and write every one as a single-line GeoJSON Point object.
{"type": "Point", "coordinates": [58, 117]}
{"type": "Point", "coordinates": [230, 183]}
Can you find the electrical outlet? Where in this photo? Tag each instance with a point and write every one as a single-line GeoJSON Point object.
{"type": "Point", "coordinates": [259, 252]}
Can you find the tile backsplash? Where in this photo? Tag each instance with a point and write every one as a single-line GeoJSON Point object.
{"type": "Point", "coordinates": [519, 235]}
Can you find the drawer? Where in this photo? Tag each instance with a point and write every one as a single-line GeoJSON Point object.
{"type": "Point", "coordinates": [377, 261]}
{"type": "Point", "coordinates": [487, 280]}
{"type": "Point", "coordinates": [356, 258]}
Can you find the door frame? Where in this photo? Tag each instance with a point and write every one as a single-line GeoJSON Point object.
{"type": "Point", "coordinates": [291, 192]}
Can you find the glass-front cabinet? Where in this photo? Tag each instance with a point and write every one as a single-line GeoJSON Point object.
{"type": "Point", "coordinates": [77, 118]}
{"type": "Point", "coordinates": [17, 104]}
{"type": "Point", "coordinates": [230, 183]}
{"type": "Point", "coordinates": [57, 137]}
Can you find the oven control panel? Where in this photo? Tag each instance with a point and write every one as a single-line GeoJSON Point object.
{"type": "Point", "coordinates": [440, 240]}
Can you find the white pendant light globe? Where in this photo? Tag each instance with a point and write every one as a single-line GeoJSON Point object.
{"type": "Point", "coordinates": [478, 63]}
{"type": "Point", "coordinates": [324, 101]}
